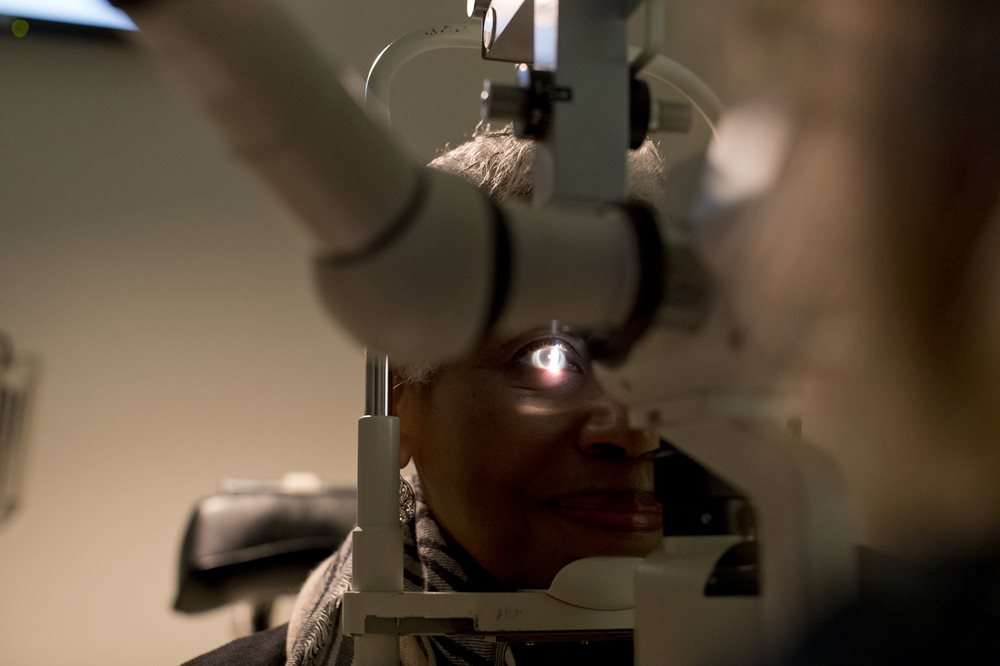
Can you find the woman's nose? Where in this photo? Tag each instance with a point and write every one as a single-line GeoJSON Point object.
{"type": "Point", "coordinates": [607, 433]}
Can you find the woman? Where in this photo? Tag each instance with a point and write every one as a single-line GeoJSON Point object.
{"type": "Point", "coordinates": [523, 463]}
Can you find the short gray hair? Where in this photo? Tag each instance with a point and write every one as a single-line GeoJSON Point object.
{"type": "Point", "coordinates": [502, 165]}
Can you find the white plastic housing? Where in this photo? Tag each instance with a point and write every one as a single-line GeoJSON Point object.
{"type": "Point", "coordinates": [576, 265]}
{"type": "Point", "coordinates": [425, 295]}
{"type": "Point", "coordinates": [278, 103]}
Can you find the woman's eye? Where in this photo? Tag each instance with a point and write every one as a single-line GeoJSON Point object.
{"type": "Point", "coordinates": [552, 359]}
{"type": "Point", "coordinates": [550, 362]}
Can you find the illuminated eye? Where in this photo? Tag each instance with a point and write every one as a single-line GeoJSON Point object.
{"type": "Point", "coordinates": [550, 358]}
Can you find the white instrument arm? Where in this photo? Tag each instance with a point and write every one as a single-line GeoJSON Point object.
{"type": "Point", "coordinates": [397, 240]}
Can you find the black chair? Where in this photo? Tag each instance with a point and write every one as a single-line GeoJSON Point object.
{"type": "Point", "coordinates": [254, 541]}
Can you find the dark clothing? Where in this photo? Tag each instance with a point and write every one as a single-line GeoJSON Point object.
{"type": "Point", "coordinates": [947, 612]}
{"type": "Point", "coordinates": [265, 648]}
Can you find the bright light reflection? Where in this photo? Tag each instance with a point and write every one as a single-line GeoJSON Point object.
{"type": "Point", "coordinates": [87, 12]}
{"type": "Point", "coordinates": [550, 358]}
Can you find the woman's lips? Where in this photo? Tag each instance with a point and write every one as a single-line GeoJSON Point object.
{"type": "Point", "coordinates": [618, 511]}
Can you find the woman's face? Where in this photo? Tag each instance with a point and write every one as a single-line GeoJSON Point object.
{"type": "Point", "coordinates": [526, 463]}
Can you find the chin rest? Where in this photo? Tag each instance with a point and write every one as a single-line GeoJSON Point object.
{"type": "Point", "coordinates": [258, 540]}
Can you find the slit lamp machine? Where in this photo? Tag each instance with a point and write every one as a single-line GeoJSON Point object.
{"type": "Point", "coordinates": [670, 345]}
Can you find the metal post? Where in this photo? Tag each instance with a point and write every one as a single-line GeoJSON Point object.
{"type": "Point", "coordinates": [378, 396]}
{"type": "Point", "coordinates": [378, 539]}
{"type": "Point", "coordinates": [585, 44]}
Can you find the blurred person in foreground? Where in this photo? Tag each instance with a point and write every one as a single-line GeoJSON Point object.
{"type": "Point", "coordinates": [873, 266]}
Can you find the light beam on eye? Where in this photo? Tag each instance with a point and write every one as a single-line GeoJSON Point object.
{"type": "Point", "coordinates": [551, 359]}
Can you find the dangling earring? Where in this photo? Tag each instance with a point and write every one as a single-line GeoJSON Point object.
{"type": "Point", "coordinates": [407, 501]}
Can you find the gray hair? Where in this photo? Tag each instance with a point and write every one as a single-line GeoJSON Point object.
{"type": "Point", "coordinates": [502, 165]}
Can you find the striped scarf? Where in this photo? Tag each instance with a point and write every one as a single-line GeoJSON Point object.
{"type": "Point", "coordinates": [315, 636]}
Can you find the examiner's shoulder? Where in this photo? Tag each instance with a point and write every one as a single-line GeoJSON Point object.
{"type": "Point", "coordinates": [265, 648]}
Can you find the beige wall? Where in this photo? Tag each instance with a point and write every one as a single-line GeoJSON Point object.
{"type": "Point", "coordinates": [173, 313]}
